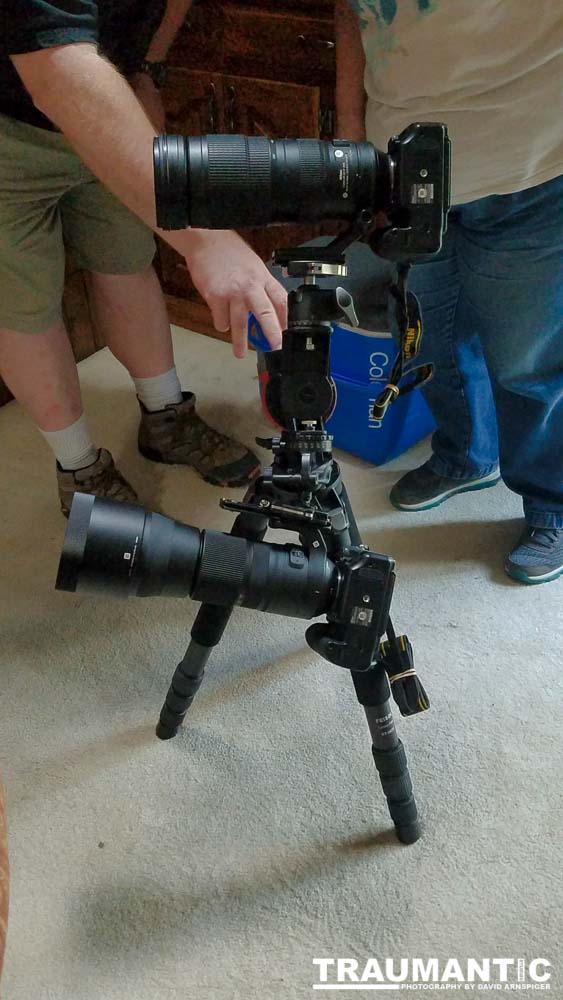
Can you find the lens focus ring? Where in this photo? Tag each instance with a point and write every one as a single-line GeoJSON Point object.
{"type": "Point", "coordinates": [222, 569]}
{"type": "Point", "coordinates": [231, 182]}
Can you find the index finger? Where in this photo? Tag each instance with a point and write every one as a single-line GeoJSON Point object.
{"type": "Point", "coordinates": [265, 309]}
{"type": "Point", "coordinates": [278, 296]}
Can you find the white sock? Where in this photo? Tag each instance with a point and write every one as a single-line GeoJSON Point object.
{"type": "Point", "coordinates": [73, 447]}
{"type": "Point", "coordinates": [157, 392]}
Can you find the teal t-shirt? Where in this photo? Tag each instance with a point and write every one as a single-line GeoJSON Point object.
{"type": "Point", "coordinates": [122, 29]}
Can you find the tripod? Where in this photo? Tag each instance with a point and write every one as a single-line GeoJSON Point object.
{"type": "Point", "coordinates": [302, 491]}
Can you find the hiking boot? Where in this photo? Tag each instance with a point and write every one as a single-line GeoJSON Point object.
{"type": "Point", "coordinates": [176, 435]}
{"type": "Point", "coordinates": [422, 488]}
{"type": "Point", "coordinates": [538, 556]}
{"type": "Point", "coordinates": [101, 479]}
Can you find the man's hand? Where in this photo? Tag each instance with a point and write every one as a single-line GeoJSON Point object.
{"type": "Point", "coordinates": [234, 281]}
{"type": "Point", "coordinates": [149, 97]}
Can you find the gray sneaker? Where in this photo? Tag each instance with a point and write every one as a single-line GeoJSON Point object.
{"type": "Point", "coordinates": [176, 435]}
{"type": "Point", "coordinates": [422, 488]}
{"type": "Point", "coordinates": [101, 479]}
{"type": "Point", "coordinates": [538, 556]}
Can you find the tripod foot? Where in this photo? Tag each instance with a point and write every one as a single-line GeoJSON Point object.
{"type": "Point", "coordinates": [397, 787]}
{"type": "Point", "coordinates": [409, 834]}
{"type": "Point", "coordinates": [165, 732]}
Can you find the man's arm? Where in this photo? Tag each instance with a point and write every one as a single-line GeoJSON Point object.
{"type": "Point", "coordinates": [172, 21]}
{"type": "Point", "coordinates": [157, 52]}
{"type": "Point", "coordinates": [94, 107]}
{"type": "Point", "coordinates": [350, 66]}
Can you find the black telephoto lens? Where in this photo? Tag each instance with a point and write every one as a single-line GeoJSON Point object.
{"type": "Point", "coordinates": [235, 181]}
{"type": "Point", "coordinates": [118, 549]}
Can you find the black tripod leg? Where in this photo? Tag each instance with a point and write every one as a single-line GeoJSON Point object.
{"type": "Point", "coordinates": [373, 692]}
{"type": "Point", "coordinates": [207, 631]}
{"type": "Point", "coordinates": [372, 689]}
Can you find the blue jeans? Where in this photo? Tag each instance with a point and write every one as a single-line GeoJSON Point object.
{"type": "Point", "coordinates": [492, 313]}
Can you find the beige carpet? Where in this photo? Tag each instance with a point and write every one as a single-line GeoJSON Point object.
{"type": "Point", "coordinates": [219, 865]}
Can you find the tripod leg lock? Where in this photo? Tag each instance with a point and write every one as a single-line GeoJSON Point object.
{"type": "Point", "coordinates": [397, 787]}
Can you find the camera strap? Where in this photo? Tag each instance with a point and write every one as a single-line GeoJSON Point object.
{"type": "Point", "coordinates": [409, 323]}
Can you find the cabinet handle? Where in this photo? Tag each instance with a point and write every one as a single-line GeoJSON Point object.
{"type": "Point", "coordinates": [231, 109]}
{"type": "Point", "coordinates": [319, 43]}
{"type": "Point", "coordinates": [212, 108]}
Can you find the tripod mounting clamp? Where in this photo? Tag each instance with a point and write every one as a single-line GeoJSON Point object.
{"type": "Point", "coordinates": [303, 262]}
{"type": "Point", "coordinates": [284, 512]}
{"type": "Point", "coordinates": [314, 268]}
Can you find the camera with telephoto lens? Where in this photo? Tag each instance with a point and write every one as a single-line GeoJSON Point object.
{"type": "Point", "coordinates": [235, 181]}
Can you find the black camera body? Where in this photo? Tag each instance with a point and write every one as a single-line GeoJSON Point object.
{"type": "Point", "coordinates": [420, 193]}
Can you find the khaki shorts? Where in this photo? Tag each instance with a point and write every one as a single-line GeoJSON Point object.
{"type": "Point", "coordinates": [51, 203]}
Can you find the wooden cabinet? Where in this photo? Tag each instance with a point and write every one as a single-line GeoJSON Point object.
{"type": "Point", "coordinates": [278, 45]}
{"type": "Point", "coordinates": [264, 107]}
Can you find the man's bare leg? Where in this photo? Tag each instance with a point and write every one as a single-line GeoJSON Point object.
{"type": "Point", "coordinates": [40, 370]}
{"type": "Point", "coordinates": [131, 313]}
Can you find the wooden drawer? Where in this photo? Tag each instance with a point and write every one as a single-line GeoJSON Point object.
{"type": "Point", "coordinates": [278, 47]}
{"type": "Point", "coordinates": [269, 44]}
{"type": "Point", "coordinates": [193, 101]}
{"type": "Point", "coordinates": [197, 103]}
{"type": "Point", "coordinates": [269, 108]}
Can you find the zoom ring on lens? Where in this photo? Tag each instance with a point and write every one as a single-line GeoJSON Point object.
{"type": "Point", "coordinates": [240, 175]}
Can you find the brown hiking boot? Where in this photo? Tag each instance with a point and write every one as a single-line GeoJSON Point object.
{"type": "Point", "coordinates": [101, 479]}
{"type": "Point", "coordinates": [177, 436]}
